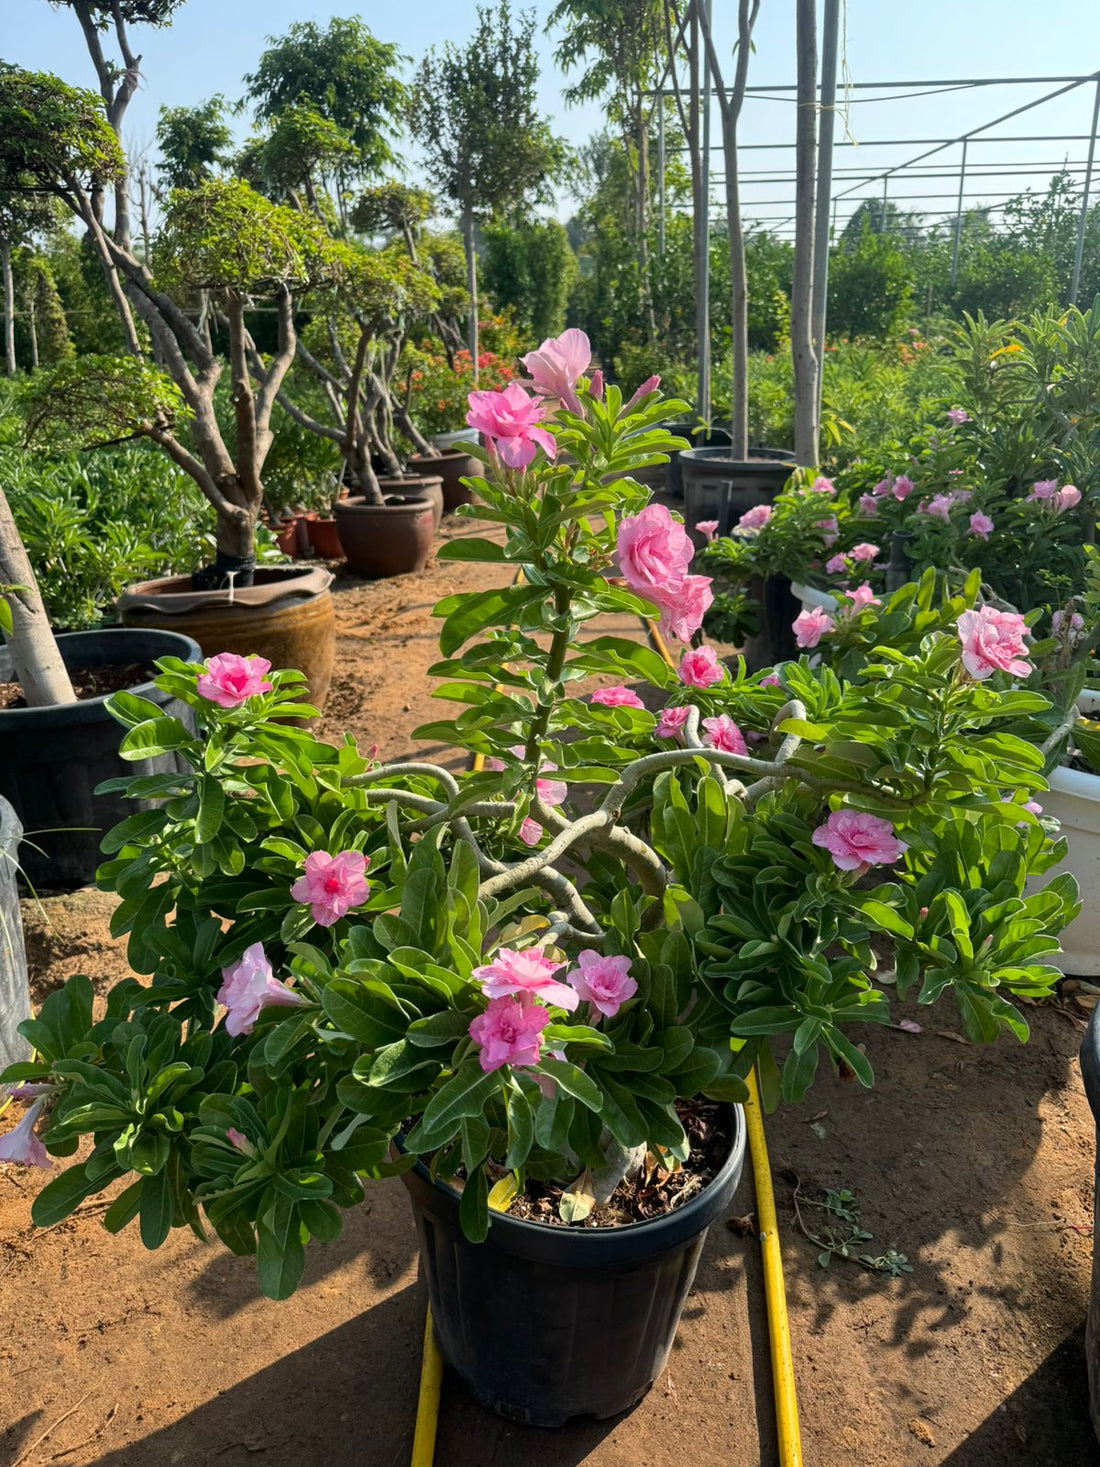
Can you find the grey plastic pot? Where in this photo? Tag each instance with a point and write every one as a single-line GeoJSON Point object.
{"type": "Point", "coordinates": [545, 1324]}
{"type": "Point", "coordinates": [15, 993]}
{"type": "Point", "coordinates": [52, 759]}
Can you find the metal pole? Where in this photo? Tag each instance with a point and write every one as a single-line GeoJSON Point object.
{"type": "Point", "coordinates": [958, 218]}
{"type": "Point", "coordinates": [882, 218]}
{"type": "Point", "coordinates": [1081, 223]}
{"type": "Point", "coordinates": [704, 282]}
{"type": "Point", "coordinates": [831, 25]}
{"type": "Point", "coordinates": [661, 172]}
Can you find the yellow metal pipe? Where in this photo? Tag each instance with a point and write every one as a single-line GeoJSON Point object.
{"type": "Point", "coordinates": [427, 1406]}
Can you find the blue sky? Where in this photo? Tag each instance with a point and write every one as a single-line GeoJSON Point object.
{"type": "Point", "coordinates": [213, 42]}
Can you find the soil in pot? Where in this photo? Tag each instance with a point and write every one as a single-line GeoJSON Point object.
{"type": "Point", "coordinates": [89, 682]}
{"type": "Point", "coordinates": [599, 1305]}
{"type": "Point", "coordinates": [324, 539]}
{"type": "Point", "coordinates": [383, 540]}
{"type": "Point", "coordinates": [452, 467]}
{"type": "Point", "coordinates": [286, 616]}
{"type": "Point", "coordinates": [52, 759]}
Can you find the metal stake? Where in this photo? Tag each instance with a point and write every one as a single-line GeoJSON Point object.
{"type": "Point", "coordinates": [824, 187]}
{"type": "Point", "coordinates": [1081, 223]}
{"type": "Point", "coordinates": [958, 218]}
{"type": "Point", "coordinates": [660, 170]}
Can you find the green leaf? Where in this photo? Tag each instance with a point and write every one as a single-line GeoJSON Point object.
{"type": "Point", "coordinates": [211, 810]}
{"type": "Point", "coordinates": [155, 737]}
{"type": "Point", "coordinates": [156, 1209]}
{"type": "Point", "coordinates": [473, 1210]}
{"type": "Point", "coordinates": [64, 1194]}
{"type": "Point", "coordinates": [573, 1081]}
{"type": "Point", "coordinates": [463, 548]}
{"type": "Point", "coordinates": [280, 1255]}
{"type": "Point", "coordinates": [466, 1093]}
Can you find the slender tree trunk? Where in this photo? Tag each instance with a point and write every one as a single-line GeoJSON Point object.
{"type": "Point", "coordinates": [32, 326]}
{"type": "Point", "coordinates": [9, 306]}
{"type": "Point", "coordinates": [471, 287]}
{"type": "Point", "coordinates": [642, 212]}
{"type": "Point", "coordinates": [38, 663]}
{"type": "Point", "coordinates": [802, 344]}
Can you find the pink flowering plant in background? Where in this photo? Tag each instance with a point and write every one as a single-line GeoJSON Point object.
{"type": "Point", "coordinates": [522, 970]}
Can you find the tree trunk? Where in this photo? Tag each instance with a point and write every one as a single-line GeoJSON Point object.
{"type": "Point", "coordinates": [471, 287]}
{"type": "Point", "coordinates": [739, 298]}
{"type": "Point", "coordinates": [802, 345]}
{"type": "Point", "coordinates": [34, 651]}
{"type": "Point", "coordinates": [642, 182]}
{"type": "Point", "coordinates": [9, 306]}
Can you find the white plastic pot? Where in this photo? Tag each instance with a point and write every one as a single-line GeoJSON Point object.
{"type": "Point", "coordinates": [1074, 800]}
{"type": "Point", "coordinates": [812, 599]}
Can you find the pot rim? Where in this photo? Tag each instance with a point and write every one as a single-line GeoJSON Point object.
{"type": "Point", "coordinates": [451, 453]}
{"type": "Point", "coordinates": [86, 709]}
{"type": "Point", "coordinates": [722, 456]}
{"type": "Point", "coordinates": [631, 1241]}
{"type": "Point", "coordinates": [172, 595]}
{"type": "Point", "coordinates": [415, 503]}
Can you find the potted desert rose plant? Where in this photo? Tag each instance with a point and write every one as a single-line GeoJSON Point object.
{"type": "Point", "coordinates": [535, 990]}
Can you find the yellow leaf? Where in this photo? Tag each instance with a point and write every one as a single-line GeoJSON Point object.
{"type": "Point", "coordinates": [504, 1193]}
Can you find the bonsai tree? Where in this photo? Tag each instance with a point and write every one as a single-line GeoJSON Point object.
{"type": "Point", "coordinates": [355, 344]}
{"type": "Point", "coordinates": [474, 110]}
{"type": "Point", "coordinates": [227, 240]}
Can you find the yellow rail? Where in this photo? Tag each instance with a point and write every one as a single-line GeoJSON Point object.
{"type": "Point", "coordinates": [427, 1406]}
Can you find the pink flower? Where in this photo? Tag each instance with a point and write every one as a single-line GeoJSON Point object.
{"type": "Point", "coordinates": [868, 504]}
{"type": "Point", "coordinates": [617, 697]}
{"type": "Point", "coordinates": [722, 733]}
{"type": "Point", "coordinates": [709, 528]}
{"type": "Point", "coordinates": [902, 487]}
{"type": "Point", "coordinates": [830, 527]}
{"type": "Point", "coordinates": [509, 419]}
{"type": "Point", "coordinates": [1068, 497]}
{"type": "Point", "coordinates": [684, 606]}
{"type": "Point", "coordinates": [557, 365]}
{"type": "Point", "coordinates": [21, 1145]}
{"type": "Point", "coordinates": [980, 525]}
{"type": "Point", "coordinates": [238, 1139]}
{"type": "Point", "coordinates": [654, 551]}
{"type": "Point", "coordinates": [754, 519]}
{"type": "Point", "coordinates": [1044, 489]}
{"type": "Point", "coordinates": [508, 1032]}
{"type": "Point", "coordinates": [837, 565]}
{"type": "Point", "coordinates": [248, 985]}
{"type": "Point", "coordinates": [861, 597]}
{"type": "Point", "coordinates": [938, 507]}
{"type": "Point", "coordinates": [1073, 629]}
{"type": "Point", "coordinates": [31, 1090]}
{"type": "Point", "coordinates": [530, 972]}
{"type": "Point", "coordinates": [771, 681]}
{"type": "Point", "coordinates": [856, 841]}
{"type": "Point", "coordinates": [671, 722]}
{"type": "Point", "coordinates": [1032, 807]}
{"type": "Point", "coordinates": [864, 551]}
{"type": "Point", "coordinates": [550, 791]}
{"type": "Point", "coordinates": [332, 885]}
{"type": "Point", "coordinates": [605, 983]}
{"type": "Point", "coordinates": [650, 385]}
{"type": "Point", "coordinates": [229, 680]}
{"type": "Point", "coordinates": [993, 641]}
{"type": "Point", "coordinates": [821, 485]}
{"type": "Point", "coordinates": [699, 668]}
{"type": "Point", "coordinates": [811, 626]}
{"type": "Point", "coordinates": [595, 385]}
{"type": "Point", "coordinates": [884, 486]}
{"type": "Point", "coordinates": [958, 415]}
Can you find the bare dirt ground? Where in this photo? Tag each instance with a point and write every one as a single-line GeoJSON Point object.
{"type": "Point", "coordinates": [976, 1164]}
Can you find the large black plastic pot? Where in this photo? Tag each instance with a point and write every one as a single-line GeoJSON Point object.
{"type": "Point", "coordinates": [15, 993]}
{"type": "Point", "coordinates": [718, 487]}
{"type": "Point", "coordinates": [1090, 1073]}
{"type": "Point", "coordinates": [51, 759]}
{"type": "Point", "coordinates": [774, 640]}
{"type": "Point", "coordinates": [699, 437]}
{"type": "Point", "coordinates": [545, 1324]}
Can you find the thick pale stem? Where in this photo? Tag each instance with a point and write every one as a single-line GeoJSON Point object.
{"type": "Point", "coordinates": [35, 656]}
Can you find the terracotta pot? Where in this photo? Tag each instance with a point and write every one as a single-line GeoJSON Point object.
{"type": "Point", "coordinates": [324, 539]}
{"type": "Point", "coordinates": [452, 468]}
{"type": "Point", "coordinates": [287, 616]}
{"type": "Point", "coordinates": [382, 540]}
{"type": "Point", "coordinates": [419, 486]}
{"type": "Point", "coordinates": [286, 535]}
{"type": "Point", "coordinates": [304, 549]}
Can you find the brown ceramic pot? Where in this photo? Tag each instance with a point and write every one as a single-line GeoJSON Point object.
{"type": "Point", "coordinates": [390, 539]}
{"type": "Point", "coordinates": [287, 616]}
{"type": "Point", "coordinates": [452, 468]}
{"type": "Point", "coordinates": [286, 536]}
{"type": "Point", "coordinates": [324, 539]}
{"type": "Point", "coordinates": [418, 486]}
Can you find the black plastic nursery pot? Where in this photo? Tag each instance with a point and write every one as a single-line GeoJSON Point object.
{"type": "Point", "coordinates": [1090, 1074]}
{"type": "Point", "coordinates": [774, 640]}
{"type": "Point", "coordinates": [718, 487]}
{"type": "Point", "coordinates": [545, 1324]}
{"type": "Point", "coordinates": [698, 438]}
{"type": "Point", "coordinates": [52, 759]}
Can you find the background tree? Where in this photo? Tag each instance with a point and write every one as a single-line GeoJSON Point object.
{"type": "Point", "coordinates": [23, 214]}
{"type": "Point", "coordinates": [474, 110]}
{"type": "Point", "coordinates": [47, 331]}
{"type": "Point", "coordinates": [529, 267]}
{"type": "Point", "coordinates": [620, 46]}
{"type": "Point", "coordinates": [194, 143]}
